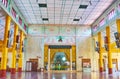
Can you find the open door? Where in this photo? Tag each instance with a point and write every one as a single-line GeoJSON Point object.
{"type": "Point", "coordinates": [115, 65]}
{"type": "Point", "coordinates": [86, 65]}
{"type": "Point", "coordinates": [32, 65]}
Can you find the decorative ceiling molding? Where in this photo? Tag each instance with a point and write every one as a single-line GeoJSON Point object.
{"type": "Point", "coordinates": [61, 25]}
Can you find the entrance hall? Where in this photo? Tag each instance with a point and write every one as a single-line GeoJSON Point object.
{"type": "Point", "coordinates": [59, 39]}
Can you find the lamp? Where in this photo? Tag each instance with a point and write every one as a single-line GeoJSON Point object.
{"type": "Point", "coordinates": [60, 39]}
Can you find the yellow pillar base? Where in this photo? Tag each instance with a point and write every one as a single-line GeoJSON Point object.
{"type": "Point", "coordinates": [110, 70]}
{"type": "Point", "coordinates": [101, 65]}
{"type": "Point", "coordinates": [101, 69]}
{"type": "Point", "coordinates": [110, 62]}
{"type": "Point", "coordinates": [101, 62]}
{"type": "Point", "coordinates": [20, 62]}
{"type": "Point", "coordinates": [4, 62]}
{"type": "Point", "coordinates": [13, 69]}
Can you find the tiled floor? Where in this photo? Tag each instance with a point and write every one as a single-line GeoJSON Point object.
{"type": "Point", "coordinates": [63, 75]}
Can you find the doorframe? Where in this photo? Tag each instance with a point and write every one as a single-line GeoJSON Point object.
{"type": "Point", "coordinates": [47, 54]}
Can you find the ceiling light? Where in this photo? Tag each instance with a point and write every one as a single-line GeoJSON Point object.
{"type": "Point", "coordinates": [76, 19]}
{"type": "Point", "coordinates": [43, 5]}
{"type": "Point", "coordinates": [83, 6]}
{"type": "Point", "coordinates": [45, 19]}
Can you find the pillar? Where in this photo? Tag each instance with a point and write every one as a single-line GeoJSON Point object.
{"type": "Point", "coordinates": [109, 50]}
{"type": "Point", "coordinates": [71, 59]}
{"type": "Point", "coordinates": [48, 59]}
{"type": "Point", "coordinates": [100, 52]}
{"type": "Point", "coordinates": [20, 52]}
{"type": "Point", "coordinates": [5, 47]}
{"type": "Point", "coordinates": [13, 69]}
{"type": "Point", "coordinates": [118, 25]}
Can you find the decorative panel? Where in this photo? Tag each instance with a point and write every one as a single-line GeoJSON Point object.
{"type": "Point", "coordinates": [66, 40]}
{"type": "Point", "coordinates": [51, 30]}
{"type": "Point", "coordinates": [69, 31]}
{"type": "Point", "coordinates": [36, 30]}
{"type": "Point", "coordinates": [83, 31]}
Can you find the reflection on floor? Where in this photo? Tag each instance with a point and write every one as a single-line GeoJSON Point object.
{"type": "Point", "coordinates": [63, 75]}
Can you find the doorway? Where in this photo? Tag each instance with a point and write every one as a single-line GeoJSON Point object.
{"type": "Point", "coordinates": [86, 65]}
{"type": "Point", "coordinates": [59, 57]}
{"type": "Point", "coordinates": [32, 65]}
{"type": "Point", "coordinates": [60, 62]}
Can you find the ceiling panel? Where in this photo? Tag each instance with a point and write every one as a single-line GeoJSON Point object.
{"type": "Point", "coordinates": [62, 10]}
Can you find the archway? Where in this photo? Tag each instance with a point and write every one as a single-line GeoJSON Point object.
{"type": "Point", "coordinates": [60, 62]}
{"type": "Point", "coordinates": [50, 52]}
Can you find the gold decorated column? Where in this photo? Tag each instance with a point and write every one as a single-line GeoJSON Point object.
{"type": "Point", "coordinates": [13, 69]}
{"type": "Point", "coordinates": [109, 50]}
{"type": "Point", "coordinates": [118, 25]}
{"type": "Point", "coordinates": [48, 59]}
{"type": "Point", "coordinates": [20, 52]}
{"type": "Point", "coordinates": [71, 59]}
{"type": "Point", "coordinates": [5, 47]}
{"type": "Point", "coordinates": [118, 28]}
{"type": "Point", "coordinates": [100, 52]}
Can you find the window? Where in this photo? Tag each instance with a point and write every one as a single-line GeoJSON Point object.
{"type": "Point", "coordinates": [119, 7]}
{"type": "Point", "coordinates": [94, 28]}
{"type": "Point", "coordinates": [5, 2]}
{"type": "Point", "coordinates": [13, 12]}
{"type": "Point", "coordinates": [20, 21]}
{"type": "Point", "coordinates": [102, 22]}
{"type": "Point", "coordinates": [24, 27]}
{"type": "Point", "coordinates": [111, 14]}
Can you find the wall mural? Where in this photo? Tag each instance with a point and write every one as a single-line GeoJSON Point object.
{"type": "Point", "coordinates": [66, 34]}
